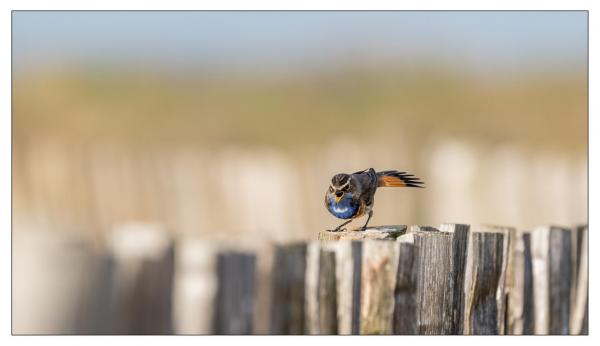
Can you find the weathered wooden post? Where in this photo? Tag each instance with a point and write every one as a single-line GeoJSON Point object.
{"type": "Point", "coordinates": [288, 290]}
{"type": "Point", "coordinates": [519, 285]}
{"type": "Point", "coordinates": [551, 249]}
{"type": "Point", "coordinates": [348, 247]}
{"type": "Point", "coordinates": [372, 233]}
{"type": "Point", "coordinates": [560, 280]}
{"type": "Point", "coordinates": [485, 279]}
{"type": "Point", "coordinates": [327, 293]}
{"type": "Point", "coordinates": [579, 312]}
{"type": "Point", "coordinates": [346, 276]}
{"type": "Point", "coordinates": [321, 291]}
{"type": "Point", "coordinates": [434, 296]}
{"type": "Point", "coordinates": [409, 286]}
{"type": "Point", "coordinates": [539, 253]}
{"type": "Point", "coordinates": [406, 306]}
{"type": "Point", "coordinates": [378, 276]}
{"type": "Point", "coordinates": [141, 299]}
{"type": "Point", "coordinates": [356, 285]}
{"type": "Point", "coordinates": [528, 298]}
{"type": "Point", "coordinates": [460, 238]}
{"type": "Point", "coordinates": [234, 303]}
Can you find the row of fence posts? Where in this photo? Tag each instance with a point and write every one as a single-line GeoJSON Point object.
{"type": "Point", "coordinates": [420, 280]}
{"type": "Point", "coordinates": [451, 280]}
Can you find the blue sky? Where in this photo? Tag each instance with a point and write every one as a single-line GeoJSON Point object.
{"type": "Point", "coordinates": [290, 40]}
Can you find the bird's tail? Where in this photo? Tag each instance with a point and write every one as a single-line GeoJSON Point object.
{"type": "Point", "coordinates": [398, 179]}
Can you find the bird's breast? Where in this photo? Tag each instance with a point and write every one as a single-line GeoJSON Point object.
{"type": "Point", "coordinates": [345, 209]}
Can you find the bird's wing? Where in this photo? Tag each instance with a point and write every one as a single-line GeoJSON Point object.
{"type": "Point", "coordinates": [366, 183]}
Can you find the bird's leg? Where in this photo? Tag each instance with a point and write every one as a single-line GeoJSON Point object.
{"type": "Point", "coordinates": [339, 228]}
{"type": "Point", "coordinates": [366, 223]}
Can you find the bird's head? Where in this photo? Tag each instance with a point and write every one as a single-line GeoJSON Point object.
{"type": "Point", "coordinates": [340, 186]}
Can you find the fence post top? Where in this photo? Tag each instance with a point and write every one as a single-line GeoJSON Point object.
{"type": "Point", "coordinates": [388, 232]}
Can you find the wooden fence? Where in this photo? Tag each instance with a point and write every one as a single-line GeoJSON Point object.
{"type": "Point", "coordinates": [396, 280]}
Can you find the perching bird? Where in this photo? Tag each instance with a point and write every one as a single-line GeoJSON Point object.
{"type": "Point", "coordinates": [352, 195]}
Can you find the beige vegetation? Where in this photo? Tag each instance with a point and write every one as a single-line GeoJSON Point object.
{"type": "Point", "coordinates": [297, 110]}
{"type": "Point", "coordinates": [251, 155]}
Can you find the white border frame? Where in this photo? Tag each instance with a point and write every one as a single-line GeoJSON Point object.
{"type": "Point", "coordinates": [5, 152]}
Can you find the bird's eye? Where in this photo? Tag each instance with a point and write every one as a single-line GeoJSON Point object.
{"type": "Point", "coordinates": [339, 193]}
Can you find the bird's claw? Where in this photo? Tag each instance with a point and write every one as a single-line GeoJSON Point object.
{"type": "Point", "coordinates": [336, 230]}
{"type": "Point", "coordinates": [362, 229]}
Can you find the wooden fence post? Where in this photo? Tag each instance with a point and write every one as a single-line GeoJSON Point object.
{"type": "Point", "coordinates": [141, 299]}
{"type": "Point", "coordinates": [348, 271]}
{"type": "Point", "coordinates": [484, 281]}
{"type": "Point", "coordinates": [357, 250]}
{"type": "Point", "coordinates": [560, 280]}
{"type": "Point", "coordinates": [61, 284]}
{"type": "Point", "coordinates": [519, 286]}
{"type": "Point", "coordinates": [234, 303]}
{"type": "Point", "coordinates": [460, 237]}
{"type": "Point", "coordinates": [288, 290]}
{"type": "Point", "coordinates": [551, 249]}
{"type": "Point", "coordinates": [321, 291]}
{"type": "Point", "coordinates": [377, 232]}
{"type": "Point", "coordinates": [347, 283]}
{"type": "Point", "coordinates": [434, 250]}
{"type": "Point", "coordinates": [311, 304]}
{"type": "Point", "coordinates": [405, 293]}
{"type": "Point", "coordinates": [528, 297]}
{"type": "Point", "coordinates": [345, 277]}
{"type": "Point", "coordinates": [195, 285]}
{"type": "Point", "coordinates": [540, 241]}
{"type": "Point", "coordinates": [327, 293]}
{"type": "Point", "coordinates": [378, 276]}
{"type": "Point", "coordinates": [579, 312]}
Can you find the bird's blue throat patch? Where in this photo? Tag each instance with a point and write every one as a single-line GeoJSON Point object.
{"type": "Point", "coordinates": [345, 209]}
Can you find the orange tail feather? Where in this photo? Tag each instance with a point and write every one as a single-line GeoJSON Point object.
{"type": "Point", "coordinates": [397, 179]}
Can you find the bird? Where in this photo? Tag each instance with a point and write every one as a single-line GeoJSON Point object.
{"type": "Point", "coordinates": [352, 195]}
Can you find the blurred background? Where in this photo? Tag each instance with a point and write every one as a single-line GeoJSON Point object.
{"type": "Point", "coordinates": [226, 128]}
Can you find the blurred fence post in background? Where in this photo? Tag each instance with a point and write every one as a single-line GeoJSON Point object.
{"type": "Point", "coordinates": [321, 291]}
{"type": "Point", "coordinates": [288, 292]}
{"type": "Point", "coordinates": [141, 297]}
{"type": "Point", "coordinates": [60, 285]}
{"type": "Point", "coordinates": [195, 285]}
{"type": "Point", "coordinates": [344, 276]}
{"type": "Point", "coordinates": [236, 291]}
{"type": "Point", "coordinates": [579, 309]}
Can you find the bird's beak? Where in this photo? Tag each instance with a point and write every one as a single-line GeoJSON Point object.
{"type": "Point", "coordinates": [337, 199]}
